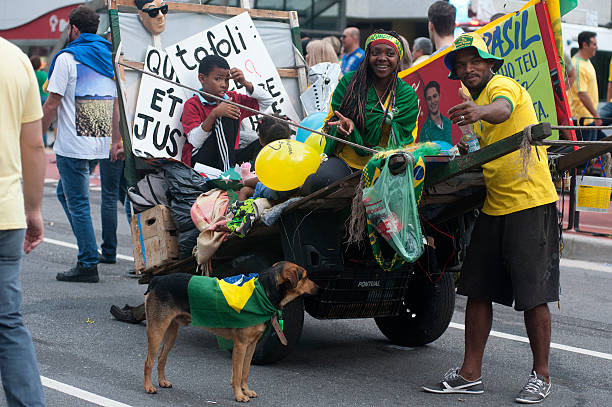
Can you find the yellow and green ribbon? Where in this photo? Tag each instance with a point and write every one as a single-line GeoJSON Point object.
{"type": "Point", "coordinates": [382, 38]}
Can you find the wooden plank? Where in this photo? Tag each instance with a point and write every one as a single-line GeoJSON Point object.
{"type": "Point", "coordinates": [456, 184]}
{"type": "Point", "coordinates": [346, 182]}
{"type": "Point", "coordinates": [294, 23]}
{"type": "Point", "coordinates": [466, 162]}
{"type": "Point", "coordinates": [461, 206]}
{"type": "Point", "coordinates": [326, 203]}
{"type": "Point", "coordinates": [220, 10]}
{"type": "Point", "coordinates": [580, 157]}
{"type": "Point", "coordinates": [288, 72]}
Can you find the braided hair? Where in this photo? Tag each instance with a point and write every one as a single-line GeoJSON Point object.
{"type": "Point", "coordinates": [353, 105]}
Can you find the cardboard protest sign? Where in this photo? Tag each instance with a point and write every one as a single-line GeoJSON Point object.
{"type": "Point", "coordinates": [238, 41]}
{"type": "Point", "coordinates": [157, 131]}
{"type": "Point", "coordinates": [524, 41]}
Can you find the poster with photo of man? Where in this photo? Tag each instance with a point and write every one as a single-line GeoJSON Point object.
{"type": "Point", "coordinates": [437, 127]}
{"type": "Point", "coordinates": [524, 41]}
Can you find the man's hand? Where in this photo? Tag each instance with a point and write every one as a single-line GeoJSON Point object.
{"type": "Point", "coordinates": [34, 231]}
{"type": "Point", "coordinates": [227, 110]}
{"type": "Point", "coordinates": [462, 147]}
{"type": "Point", "coordinates": [345, 125]}
{"type": "Point", "coordinates": [117, 152]}
{"type": "Point", "coordinates": [466, 112]}
{"type": "Point", "coordinates": [237, 76]}
{"type": "Point", "coordinates": [597, 122]}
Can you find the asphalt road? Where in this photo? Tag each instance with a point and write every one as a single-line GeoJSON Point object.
{"type": "Point", "coordinates": [336, 363]}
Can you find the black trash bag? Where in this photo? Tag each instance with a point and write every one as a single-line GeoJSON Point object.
{"type": "Point", "coordinates": [184, 186]}
{"type": "Point", "coordinates": [187, 240]}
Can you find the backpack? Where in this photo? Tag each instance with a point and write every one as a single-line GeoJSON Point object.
{"type": "Point", "coordinates": [151, 190]}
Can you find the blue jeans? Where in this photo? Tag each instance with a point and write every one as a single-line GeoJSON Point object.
{"type": "Point", "coordinates": [18, 368]}
{"type": "Point", "coordinates": [606, 112]}
{"type": "Point", "coordinates": [73, 194]}
{"type": "Point", "coordinates": [110, 175]}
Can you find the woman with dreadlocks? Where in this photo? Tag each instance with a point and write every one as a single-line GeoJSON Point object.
{"type": "Point", "coordinates": [370, 106]}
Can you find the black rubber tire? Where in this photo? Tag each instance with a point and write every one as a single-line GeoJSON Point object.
{"type": "Point", "coordinates": [269, 349]}
{"type": "Point", "coordinates": [427, 313]}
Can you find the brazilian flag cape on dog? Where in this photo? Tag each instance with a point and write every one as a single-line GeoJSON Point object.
{"type": "Point", "coordinates": [234, 302]}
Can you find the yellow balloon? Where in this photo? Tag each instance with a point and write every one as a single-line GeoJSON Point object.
{"type": "Point", "coordinates": [284, 165]}
{"type": "Point", "coordinates": [316, 141]}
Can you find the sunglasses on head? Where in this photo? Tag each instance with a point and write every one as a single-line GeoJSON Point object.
{"type": "Point", "coordinates": [153, 12]}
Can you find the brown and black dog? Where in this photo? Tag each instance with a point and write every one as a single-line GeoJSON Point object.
{"type": "Point", "coordinates": [167, 307]}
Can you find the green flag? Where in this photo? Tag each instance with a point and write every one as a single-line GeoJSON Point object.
{"type": "Point", "coordinates": [234, 302]}
{"type": "Point", "coordinates": [566, 6]}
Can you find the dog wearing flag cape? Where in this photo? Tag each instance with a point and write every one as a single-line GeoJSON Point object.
{"type": "Point", "coordinates": [237, 309]}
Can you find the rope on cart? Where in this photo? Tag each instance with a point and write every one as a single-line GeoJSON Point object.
{"type": "Point", "coordinates": [581, 127]}
{"type": "Point", "coordinates": [218, 99]}
{"type": "Point", "coordinates": [572, 143]}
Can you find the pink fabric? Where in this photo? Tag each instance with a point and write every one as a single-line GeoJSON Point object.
{"type": "Point", "coordinates": [207, 214]}
{"type": "Point", "coordinates": [208, 207]}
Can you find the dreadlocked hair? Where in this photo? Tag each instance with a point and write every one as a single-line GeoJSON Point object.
{"type": "Point", "coordinates": [353, 105]}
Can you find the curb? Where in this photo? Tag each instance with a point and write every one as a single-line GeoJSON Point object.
{"type": "Point", "coordinates": [587, 248]}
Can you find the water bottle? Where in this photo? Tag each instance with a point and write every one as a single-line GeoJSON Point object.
{"type": "Point", "coordinates": [470, 138]}
{"type": "Point", "coordinates": [245, 170]}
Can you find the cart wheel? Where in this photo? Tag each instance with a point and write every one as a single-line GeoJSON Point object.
{"type": "Point", "coordinates": [428, 309]}
{"type": "Point", "coordinates": [269, 349]}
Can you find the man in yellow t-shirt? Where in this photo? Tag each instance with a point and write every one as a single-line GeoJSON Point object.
{"type": "Point", "coordinates": [584, 94]}
{"type": "Point", "coordinates": [21, 225]}
{"type": "Point", "coordinates": [606, 110]}
{"type": "Point", "coordinates": [513, 255]}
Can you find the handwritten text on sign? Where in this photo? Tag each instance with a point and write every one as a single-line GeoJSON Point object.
{"type": "Point", "coordinates": [518, 41]}
{"type": "Point", "coordinates": [158, 132]}
{"type": "Point", "coordinates": [238, 41]}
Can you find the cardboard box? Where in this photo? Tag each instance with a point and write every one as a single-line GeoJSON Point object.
{"type": "Point", "coordinates": [154, 238]}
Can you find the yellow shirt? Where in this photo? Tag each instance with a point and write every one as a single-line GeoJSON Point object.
{"type": "Point", "coordinates": [507, 190]}
{"type": "Point", "coordinates": [20, 104]}
{"type": "Point", "coordinates": [586, 81]}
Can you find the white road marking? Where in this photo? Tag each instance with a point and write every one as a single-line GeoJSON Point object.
{"type": "Point", "coordinates": [81, 394]}
{"type": "Point", "coordinates": [553, 345]}
{"type": "Point", "coordinates": [587, 265]}
{"type": "Point", "coordinates": [565, 262]}
{"type": "Point", "coordinates": [53, 182]}
{"type": "Point", "coordinates": [73, 246]}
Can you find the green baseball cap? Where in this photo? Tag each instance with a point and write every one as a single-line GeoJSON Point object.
{"type": "Point", "coordinates": [465, 41]}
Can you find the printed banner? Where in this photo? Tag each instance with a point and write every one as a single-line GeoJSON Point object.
{"type": "Point", "coordinates": [518, 40]}
{"type": "Point", "coordinates": [238, 41]}
{"type": "Point", "coordinates": [157, 131]}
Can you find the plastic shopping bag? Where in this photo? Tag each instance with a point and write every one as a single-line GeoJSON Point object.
{"type": "Point", "coordinates": [391, 209]}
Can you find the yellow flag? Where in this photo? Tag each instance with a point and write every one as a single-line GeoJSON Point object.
{"type": "Point", "coordinates": [554, 13]}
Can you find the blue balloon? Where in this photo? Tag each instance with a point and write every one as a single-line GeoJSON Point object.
{"type": "Point", "coordinates": [444, 146]}
{"type": "Point", "coordinates": [313, 121]}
